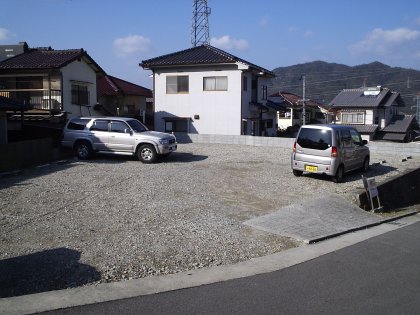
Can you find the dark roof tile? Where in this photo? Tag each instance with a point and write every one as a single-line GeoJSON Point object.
{"type": "Point", "coordinates": [399, 123]}
{"type": "Point", "coordinates": [204, 54]}
{"type": "Point", "coordinates": [355, 98]}
{"type": "Point", "coordinates": [296, 100]}
{"type": "Point", "coordinates": [47, 59]}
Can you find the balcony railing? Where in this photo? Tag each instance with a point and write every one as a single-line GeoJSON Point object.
{"type": "Point", "coordinates": [37, 99]}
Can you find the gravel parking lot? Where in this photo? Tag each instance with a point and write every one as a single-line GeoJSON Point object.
{"type": "Point", "coordinates": [113, 218]}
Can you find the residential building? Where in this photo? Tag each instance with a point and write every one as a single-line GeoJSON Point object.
{"type": "Point", "coordinates": [51, 82]}
{"type": "Point", "coordinates": [290, 111]}
{"type": "Point", "coordinates": [117, 97]}
{"type": "Point", "coordinates": [374, 112]}
{"type": "Point", "coordinates": [206, 90]}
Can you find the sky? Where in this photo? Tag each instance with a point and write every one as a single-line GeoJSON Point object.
{"type": "Point", "coordinates": [119, 34]}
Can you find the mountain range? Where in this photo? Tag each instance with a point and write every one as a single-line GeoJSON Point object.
{"type": "Point", "coordinates": [323, 80]}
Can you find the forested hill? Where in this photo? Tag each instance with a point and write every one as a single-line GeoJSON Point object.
{"type": "Point", "coordinates": [325, 80]}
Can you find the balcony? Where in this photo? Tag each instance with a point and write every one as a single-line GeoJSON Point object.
{"type": "Point", "coordinates": [38, 99]}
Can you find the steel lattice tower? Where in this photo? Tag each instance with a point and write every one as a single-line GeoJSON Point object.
{"type": "Point", "coordinates": [200, 23]}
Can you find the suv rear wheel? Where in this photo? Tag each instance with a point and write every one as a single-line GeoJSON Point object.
{"type": "Point", "coordinates": [147, 153]}
{"type": "Point", "coordinates": [83, 150]}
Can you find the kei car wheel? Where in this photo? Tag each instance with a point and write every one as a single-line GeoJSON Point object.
{"type": "Point", "coordinates": [83, 150]}
{"type": "Point", "coordinates": [339, 175]}
{"type": "Point", "coordinates": [147, 153]}
{"type": "Point", "coordinates": [297, 173]}
{"type": "Point", "coordinates": [365, 166]}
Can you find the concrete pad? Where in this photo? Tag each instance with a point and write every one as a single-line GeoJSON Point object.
{"type": "Point", "coordinates": [312, 220]}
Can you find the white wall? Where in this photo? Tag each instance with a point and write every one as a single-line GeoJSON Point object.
{"type": "Point", "coordinates": [79, 71]}
{"type": "Point", "coordinates": [219, 111]}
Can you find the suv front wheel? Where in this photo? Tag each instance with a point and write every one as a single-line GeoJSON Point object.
{"type": "Point", "coordinates": [147, 153]}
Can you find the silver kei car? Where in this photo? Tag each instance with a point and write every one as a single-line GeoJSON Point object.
{"type": "Point", "coordinates": [329, 149]}
{"type": "Point", "coordinates": [116, 135]}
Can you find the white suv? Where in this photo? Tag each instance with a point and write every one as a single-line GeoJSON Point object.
{"type": "Point", "coordinates": [116, 135]}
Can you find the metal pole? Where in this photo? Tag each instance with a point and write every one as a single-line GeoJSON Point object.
{"type": "Point", "coordinates": [303, 101]}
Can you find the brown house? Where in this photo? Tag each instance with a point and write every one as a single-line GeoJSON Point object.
{"type": "Point", "coordinates": [117, 97]}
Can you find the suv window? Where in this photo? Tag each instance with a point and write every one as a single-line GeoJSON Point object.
{"type": "Point", "coordinates": [77, 124]}
{"type": "Point", "coordinates": [99, 125]}
{"type": "Point", "coordinates": [137, 126]}
{"type": "Point", "coordinates": [118, 126]}
{"type": "Point", "coordinates": [318, 139]}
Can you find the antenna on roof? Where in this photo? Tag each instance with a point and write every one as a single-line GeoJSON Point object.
{"type": "Point", "coordinates": [200, 23]}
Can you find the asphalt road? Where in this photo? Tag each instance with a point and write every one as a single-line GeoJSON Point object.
{"type": "Point", "coordinates": [380, 275]}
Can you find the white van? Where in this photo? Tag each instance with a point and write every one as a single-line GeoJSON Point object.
{"type": "Point", "coordinates": [329, 149]}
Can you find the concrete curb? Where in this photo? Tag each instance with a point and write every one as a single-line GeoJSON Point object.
{"type": "Point", "coordinates": [54, 300]}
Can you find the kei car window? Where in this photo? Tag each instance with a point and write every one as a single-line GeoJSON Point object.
{"type": "Point", "coordinates": [318, 139]}
{"type": "Point", "coordinates": [137, 126]}
{"type": "Point", "coordinates": [99, 125]}
{"type": "Point", "coordinates": [355, 136]}
{"type": "Point", "coordinates": [346, 138]}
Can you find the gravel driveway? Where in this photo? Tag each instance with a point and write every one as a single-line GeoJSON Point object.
{"type": "Point", "coordinates": [114, 218]}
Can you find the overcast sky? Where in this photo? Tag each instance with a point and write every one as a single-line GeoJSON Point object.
{"type": "Point", "coordinates": [119, 34]}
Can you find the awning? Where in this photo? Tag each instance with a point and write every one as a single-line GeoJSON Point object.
{"type": "Point", "coordinates": [174, 118]}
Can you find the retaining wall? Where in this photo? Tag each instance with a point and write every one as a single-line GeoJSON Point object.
{"type": "Point", "coordinates": [398, 192]}
{"type": "Point", "coordinates": [18, 155]}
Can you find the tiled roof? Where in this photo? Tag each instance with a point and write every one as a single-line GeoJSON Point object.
{"type": "Point", "coordinates": [110, 85]}
{"type": "Point", "coordinates": [399, 123]}
{"type": "Point", "coordinates": [365, 128]}
{"type": "Point", "coordinates": [393, 136]}
{"type": "Point", "coordinates": [47, 59]}
{"type": "Point", "coordinates": [355, 98]}
{"type": "Point", "coordinates": [296, 100]}
{"type": "Point", "coordinates": [200, 55]}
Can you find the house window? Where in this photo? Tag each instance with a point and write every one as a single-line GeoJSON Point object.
{"type": "Point", "coordinates": [177, 84]}
{"type": "Point", "coordinates": [215, 83]}
{"type": "Point", "coordinates": [245, 83]}
{"type": "Point", "coordinates": [130, 109]}
{"type": "Point", "coordinates": [353, 118]}
{"type": "Point", "coordinates": [264, 92]}
{"type": "Point", "coordinates": [178, 125]}
{"type": "Point", "coordinates": [79, 94]}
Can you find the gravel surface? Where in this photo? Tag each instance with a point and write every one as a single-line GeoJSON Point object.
{"type": "Point", "coordinates": [114, 218]}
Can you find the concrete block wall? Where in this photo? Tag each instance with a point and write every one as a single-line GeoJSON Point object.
{"type": "Point", "coordinates": [243, 140]}
{"type": "Point", "coordinates": [394, 148]}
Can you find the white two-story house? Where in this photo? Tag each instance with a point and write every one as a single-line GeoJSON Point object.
{"type": "Point", "coordinates": [206, 90]}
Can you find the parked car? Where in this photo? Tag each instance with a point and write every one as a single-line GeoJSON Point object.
{"type": "Point", "coordinates": [116, 135]}
{"type": "Point", "coordinates": [329, 149]}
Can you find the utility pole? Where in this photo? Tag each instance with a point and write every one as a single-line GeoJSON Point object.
{"type": "Point", "coordinates": [200, 23]}
{"type": "Point", "coordinates": [303, 101]}
{"type": "Point", "coordinates": [417, 98]}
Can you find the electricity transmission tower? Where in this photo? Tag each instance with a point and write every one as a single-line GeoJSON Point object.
{"type": "Point", "coordinates": [200, 23]}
